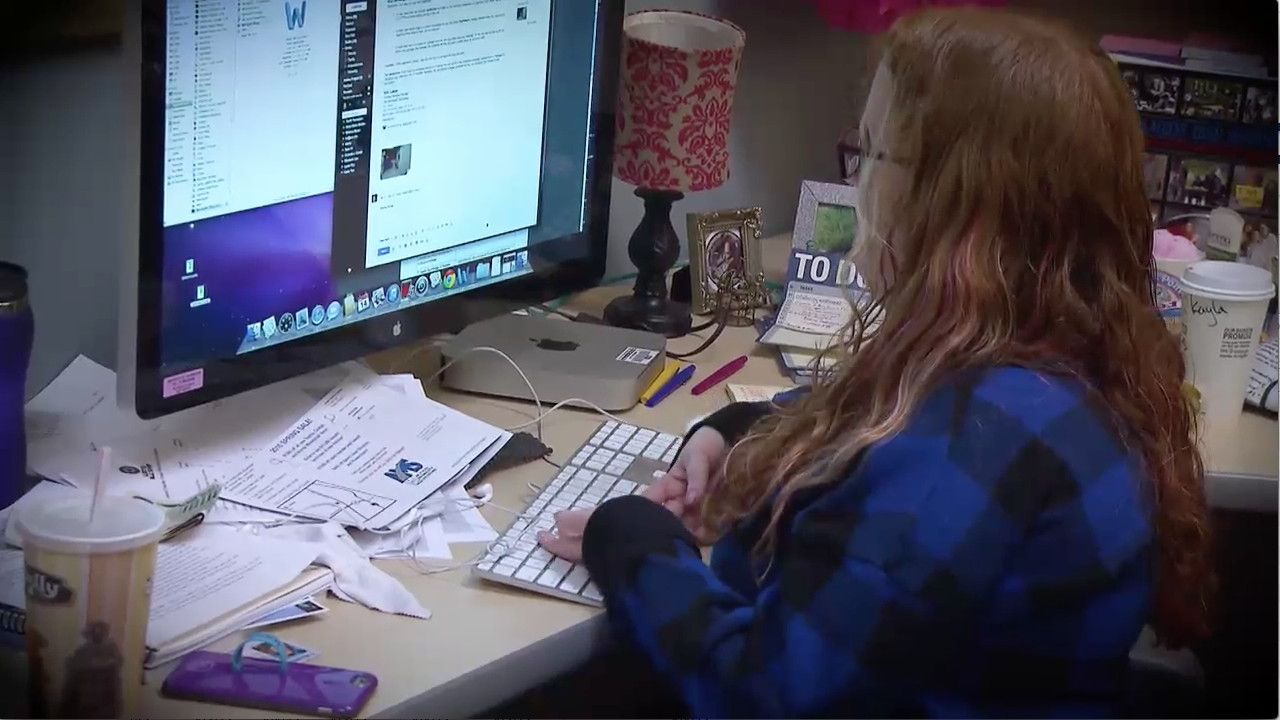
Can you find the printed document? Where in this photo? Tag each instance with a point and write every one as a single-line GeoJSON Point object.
{"type": "Point", "coordinates": [1262, 390]}
{"type": "Point", "coordinates": [362, 457]}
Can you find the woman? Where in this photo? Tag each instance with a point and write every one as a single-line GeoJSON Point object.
{"type": "Point", "coordinates": [976, 512]}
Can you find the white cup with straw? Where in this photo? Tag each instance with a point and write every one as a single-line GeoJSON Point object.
{"type": "Point", "coordinates": [1223, 307]}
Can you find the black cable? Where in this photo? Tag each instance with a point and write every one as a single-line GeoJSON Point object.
{"type": "Point", "coordinates": [721, 321]}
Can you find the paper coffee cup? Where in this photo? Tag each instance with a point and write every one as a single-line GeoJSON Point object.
{"type": "Point", "coordinates": [88, 594]}
{"type": "Point", "coordinates": [1223, 306]}
{"type": "Point", "coordinates": [1226, 234]}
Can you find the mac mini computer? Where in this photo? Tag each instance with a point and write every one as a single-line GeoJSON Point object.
{"type": "Point", "coordinates": [604, 365]}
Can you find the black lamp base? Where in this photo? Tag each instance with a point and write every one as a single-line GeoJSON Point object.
{"type": "Point", "coordinates": [654, 248]}
{"type": "Point", "coordinates": [656, 315]}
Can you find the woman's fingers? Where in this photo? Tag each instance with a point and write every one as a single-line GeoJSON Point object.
{"type": "Point", "coordinates": [664, 489]}
{"type": "Point", "coordinates": [569, 548]}
{"type": "Point", "coordinates": [697, 468]}
{"type": "Point", "coordinates": [566, 540]}
{"type": "Point", "coordinates": [572, 523]}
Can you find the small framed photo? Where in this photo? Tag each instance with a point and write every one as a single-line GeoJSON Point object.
{"type": "Point", "coordinates": [825, 218]}
{"type": "Point", "coordinates": [722, 244]}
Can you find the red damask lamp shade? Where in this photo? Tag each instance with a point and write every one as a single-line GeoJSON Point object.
{"type": "Point", "coordinates": [675, 99]}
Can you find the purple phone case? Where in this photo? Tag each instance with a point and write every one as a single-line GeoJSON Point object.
{"type": "Point", "coordinates": [265, 685]}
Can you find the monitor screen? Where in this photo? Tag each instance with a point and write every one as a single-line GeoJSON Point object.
{"type": "Point", "coordinates": [326, 162]}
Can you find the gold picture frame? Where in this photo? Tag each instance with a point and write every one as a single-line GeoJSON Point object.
{"type": "Point", "coordinates": [717, 241]}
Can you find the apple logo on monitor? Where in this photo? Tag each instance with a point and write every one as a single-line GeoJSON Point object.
{"type": "Point", "coordinates": [395, 329]}
{"type": "Point", "coordinates": [554, 345]}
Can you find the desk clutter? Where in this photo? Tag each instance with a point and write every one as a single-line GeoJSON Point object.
{"type": "Point", "coordinates": [236, 515]}
{"type": "Point", "coordinates": [821, 287]}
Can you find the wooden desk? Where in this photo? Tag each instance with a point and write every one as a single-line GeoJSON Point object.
{"type": "Point", "coordinates": [487, 643]}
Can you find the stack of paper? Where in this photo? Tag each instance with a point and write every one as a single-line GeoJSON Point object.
{"type": "Point", "coordinates": [208, 584]}
{"type": "Point", "coordinates": [365, 455]}
{"type": "Point", "coordinates": [342, 447]}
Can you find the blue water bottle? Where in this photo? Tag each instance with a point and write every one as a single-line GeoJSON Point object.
{"type": "Point", "coordinates": [17, 330]}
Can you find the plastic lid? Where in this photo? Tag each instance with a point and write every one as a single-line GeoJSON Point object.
{"type": "Point", "coordinates": [1228, 280]}
{"type": "Point", "coordinates": [62, 525]}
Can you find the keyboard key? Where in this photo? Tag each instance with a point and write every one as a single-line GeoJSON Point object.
{"type": "Point", "coordinates": [591, 593]}
{"type": "Point", "coordinates": [626, 486]}
{"type": "Point", "coordinates": [575, 580]}
{"type": "Point", "coordinates": [551, 577]}
{"type": "Point", "coordinates": [528, 573]}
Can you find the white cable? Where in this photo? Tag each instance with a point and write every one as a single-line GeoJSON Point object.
{"type": "Point", "coordinates": [537, 401]}
{"type": "Point", "coordinates": [590, 405]}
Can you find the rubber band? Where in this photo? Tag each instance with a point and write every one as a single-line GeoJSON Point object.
{"type": "Point", "coordinates": [282, 652]}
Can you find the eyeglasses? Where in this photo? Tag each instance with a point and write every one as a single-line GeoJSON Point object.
{"type": "Point", "coordinates": [851, 152]}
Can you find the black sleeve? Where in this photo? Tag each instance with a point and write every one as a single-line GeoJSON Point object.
{"type": "Point", "coordinates": [624, 530]}
{"type": "Point", "coordinates": [732, 421]}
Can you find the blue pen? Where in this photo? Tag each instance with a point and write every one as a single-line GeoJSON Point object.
{"type": "Point", "coordinates": [672, 385]}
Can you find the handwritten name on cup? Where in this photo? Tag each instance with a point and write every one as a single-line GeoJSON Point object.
{"type": "Point", "coordinates": [1211, 308]}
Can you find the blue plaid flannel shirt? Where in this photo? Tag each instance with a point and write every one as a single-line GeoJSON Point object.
{"type": "Point", "coordinates": [993, 559]}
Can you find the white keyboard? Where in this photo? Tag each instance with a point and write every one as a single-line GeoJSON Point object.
{"type": "Point", "coordinates": [617, 460]}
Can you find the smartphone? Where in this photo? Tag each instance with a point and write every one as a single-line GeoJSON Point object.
{"type": "Point", "coordinates": [296, 688]}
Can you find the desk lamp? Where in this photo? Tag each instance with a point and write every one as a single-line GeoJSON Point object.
{"type": "Point", "coordinates": [672, 137]}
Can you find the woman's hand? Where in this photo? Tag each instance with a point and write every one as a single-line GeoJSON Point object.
{"type": "Point", "coordinates": [565, 539]}
{"type": "Point", "coordinates": [679, 491]}
{"type": "Point", "coordinates": [700, 464]}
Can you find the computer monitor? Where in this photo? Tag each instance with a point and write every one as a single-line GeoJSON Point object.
{"type": "Point", "coordinates": [320, 179]}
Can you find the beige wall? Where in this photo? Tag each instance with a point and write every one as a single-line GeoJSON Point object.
{"type": "Point", "coordinates": [802, 81]}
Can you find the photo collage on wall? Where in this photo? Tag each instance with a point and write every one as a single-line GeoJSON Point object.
{"type": "Point", "coordinates": [1179, 183]}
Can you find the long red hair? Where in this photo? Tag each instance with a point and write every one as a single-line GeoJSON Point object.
{"type": "Point", "coordinates": [1019, 233]}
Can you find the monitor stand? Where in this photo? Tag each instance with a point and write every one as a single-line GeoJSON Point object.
{"type": "Point", "coordinates": [606, 366]}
